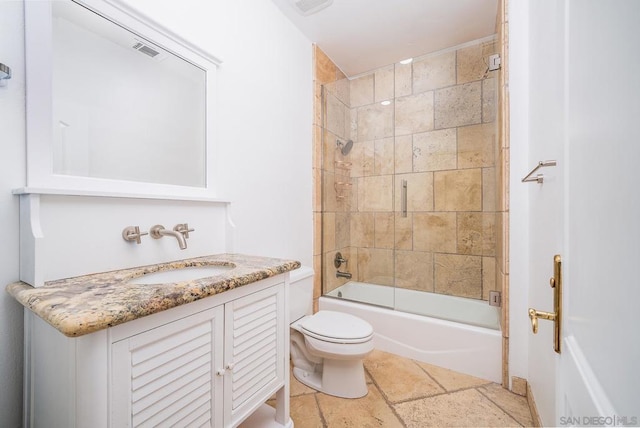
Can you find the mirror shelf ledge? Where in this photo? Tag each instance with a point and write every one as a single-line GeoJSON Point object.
{"type": "Point", "coordinates": [107, 194]}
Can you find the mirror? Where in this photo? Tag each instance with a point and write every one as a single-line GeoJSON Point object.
{"type": "Point", "coordinates": [124, 105]}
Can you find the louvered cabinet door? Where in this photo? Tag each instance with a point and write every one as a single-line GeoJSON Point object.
{"type": "Point", "coordinates": [254, 351]}
{"type": "Point", "coordinates": [166, 377]}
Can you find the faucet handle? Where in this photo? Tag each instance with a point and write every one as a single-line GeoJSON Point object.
{"type": "Point", "coordinates": [183, 228]}
{"type": "Point", "coordinates": [132, 233]}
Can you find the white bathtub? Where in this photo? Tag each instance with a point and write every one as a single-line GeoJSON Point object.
{"type": "Point", "coordinates": [472, 349]}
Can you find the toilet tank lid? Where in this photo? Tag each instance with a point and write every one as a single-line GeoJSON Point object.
{"type": "Point", "coordinates": [300, 273]}
{"type": "Point", "coordinates": [337, 325]}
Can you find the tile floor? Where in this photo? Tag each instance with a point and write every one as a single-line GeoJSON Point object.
{"type": "Point", "coordinates": [407, 393]}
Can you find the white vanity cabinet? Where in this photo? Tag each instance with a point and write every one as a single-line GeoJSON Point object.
{"type": "Point", "coordinates": [213, 362]}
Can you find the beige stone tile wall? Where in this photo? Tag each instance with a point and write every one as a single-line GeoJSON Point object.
{"type": "Point", "coordinates": [438, 132]}
{"type": "Point", "coordinates": [331, 203]}
{"type": "Point", "coordinates": [413, 139]}
{"type": "Point", "coordinates": [502, 181]}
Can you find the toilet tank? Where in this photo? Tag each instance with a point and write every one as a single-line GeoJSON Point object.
{"type": "Point", "coordinates": [300, 293]}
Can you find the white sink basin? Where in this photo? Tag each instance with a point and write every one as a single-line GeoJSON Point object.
{"type": "Point", "coordinates": [181, 274]}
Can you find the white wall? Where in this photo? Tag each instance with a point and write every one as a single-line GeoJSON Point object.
{"type": "Point", "coordinates": [264, 133]}
{"type": "Point", "coordinates": [265, 110]}
{"type": "Point", "coordinates": [12, 172]}
{"type": "Point", "coordinates": [519, 192]}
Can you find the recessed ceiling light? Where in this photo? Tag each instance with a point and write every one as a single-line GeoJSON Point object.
{"type": "Point", "coordinates": [406, 61]}
{"type": "Point", "coordinates": [385, 102]}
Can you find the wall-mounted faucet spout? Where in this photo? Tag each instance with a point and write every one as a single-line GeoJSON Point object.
{"type": "Point", "coordinates": [158, 231]}
{"type": "Point", "coordinates": [343, 275]}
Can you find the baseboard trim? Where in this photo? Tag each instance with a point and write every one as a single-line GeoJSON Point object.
{"type": "Point", "coordinates": [532, 407]}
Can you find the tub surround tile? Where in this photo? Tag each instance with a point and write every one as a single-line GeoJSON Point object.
{"type": "Point", "coordinates": [375, 266]}
{"type": "Point", "coordinates": [434, 71]}
{"type": "Point", "coordinates": [414, 270]}
{"type": "Point", "coordinates": [489, 190]}
{"type": "Point", "coordinates": [489, 234]}
{"type": "Point", "coordinates": [414, 114]}
{"type": "Point", "coordinates": [317, 146]}
{"type": "Point", "coordinates": [458, 190]}
{"type": "Point", "coordinates": [419, 191]}
{"type": "Point", "coordinates": [435, 150]}
{"type": "Point", "coordinates": [362, 229]}
{"type": "Point", "coordinates": [356, 157]}
{"type": "Point", "coordinates": [336, 115]}
{"type": "Point", "coordinates": [470, 238]}
{"type": "Point", "coordinates": [343, 229]}
{"type": "Point", "coordinates": [458, 275]}
{"type": "Point", "coordinates": [435, 232]}
{"type": "Point", "coordinates": [325, 71]}
{"type": "Point", "coordinates": [489, 277]}
{"type": "Point", "coordinates": [329, 151]}
{"type": "Point", "coordinates": [473, 61]}
{"type": "Point", "coordinates": [403, 80]}
{"type": "Point", "coordinates": [317, 103]}
{"type": "Point", "coordinates": [329, 231]}
{"type": "Point", "coordinates": [331, 282]}
{"type": "Point", "coordinates": [342, 88]}
{"type": "Point", "coordinates": [399, 381]}
{"type": "Point", "coordinates": [489, 99]}
{"type": "Point", "coordinates": [88, 303]}
{"type": "Point", "coordinates": [458, 105]}
{"type": "Point", "coordinates": [375, 121]}
{"type": "Point", "coordinates": [375, 193]}
{"type": "Point", "coordinates": [440, 134]}
{"type": "Point", "coordinates": [384, 157]}
{"type": "Point", "coordinates": [361, 90]}
{"type": "Point", "coordinates": [403, 231]}
{"type": "Point", "coordinates": [403, 154]}
{"type": "Point", "coordinates": [476, 146]}
{"type": "Point", "coordinates": [459, 409]}
{"type": "Point", "coordinates": [317, 233]}
{"type": "Point", "coordinates": [384, 230]}
{"type": "Point", "coordinates": [384, 84]}
{"type": "Point", "coordinates": [317, 279]}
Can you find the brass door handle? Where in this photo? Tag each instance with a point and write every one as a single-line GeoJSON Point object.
{"type": "Point", "coordinates": [534, 315]}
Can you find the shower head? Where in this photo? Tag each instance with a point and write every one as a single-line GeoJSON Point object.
{"type": "Point", "coordinates": [345, 148]}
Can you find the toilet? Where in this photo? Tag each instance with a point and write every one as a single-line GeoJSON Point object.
{"type": "Point", "coordinates": [327, 348]}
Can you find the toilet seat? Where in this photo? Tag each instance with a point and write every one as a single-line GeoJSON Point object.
{"type": "Point", "coordinates": [336, 327]}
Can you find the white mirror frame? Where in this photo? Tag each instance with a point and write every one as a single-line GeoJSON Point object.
{"type": "Point", "coordinates": [39, 61]}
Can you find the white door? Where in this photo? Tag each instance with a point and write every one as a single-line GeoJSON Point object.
{"type": "Point", "coordinates": [599, 370]}
{"type": "Point", "coordinates": [594, 191]}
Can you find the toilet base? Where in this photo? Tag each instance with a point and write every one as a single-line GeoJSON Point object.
{"type": "Point", "coordinates": [340, 378]}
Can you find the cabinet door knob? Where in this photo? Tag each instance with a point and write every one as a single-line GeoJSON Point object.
{"type": "Point", "coordinates": [230, 366]}
{"type": "Point", "coordinates": [221, 372]}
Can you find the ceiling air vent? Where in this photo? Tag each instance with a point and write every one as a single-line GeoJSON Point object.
{"type": "Point", "coordinates": [147, 50]}
{"type": "Point", "coordinates": [307, 7]}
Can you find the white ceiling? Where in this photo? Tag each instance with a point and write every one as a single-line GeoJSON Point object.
{"type": "Point", "coordinates": [361, 35]}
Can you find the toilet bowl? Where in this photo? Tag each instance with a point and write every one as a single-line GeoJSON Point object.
{"type": "Point", "coordinates": [327, 348]}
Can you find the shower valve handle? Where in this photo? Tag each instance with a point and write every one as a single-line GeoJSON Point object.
{"type": "Point", "coordinates": [338, 260]}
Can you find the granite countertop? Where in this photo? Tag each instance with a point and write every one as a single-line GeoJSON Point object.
{"type": "Point", "coordinates": [88, 303]}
